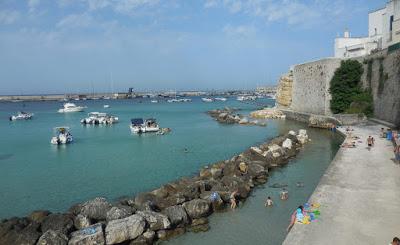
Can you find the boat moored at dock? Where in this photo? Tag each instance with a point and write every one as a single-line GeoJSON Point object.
{"type": "Point", "coordinates": [221, 99]}
{"type": "Point", "coordinates": [207, 99]}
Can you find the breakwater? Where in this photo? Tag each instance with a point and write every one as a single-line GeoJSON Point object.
{"type": "Point", "coordinates": [171, 210]}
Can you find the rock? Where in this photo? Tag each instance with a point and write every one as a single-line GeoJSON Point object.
{"type": "Point", "coordinates": [205, 173]}
{"type": "Point", "coordinates": [144, 239]}
{"type": "Point", "coordinates": [118, 213]}
{"type": "Point", "coordinates": [244, 120]}
{"type": "Point", "coordinates": [58, 222]}
{"type": "Point", "coordinates": [268, 113]}
{"type": "Point", "coordinates": [19, 231]}
{"type": "Point", "coordinates": [157, 221]}
{"type": "Point", "coordinates": [149, 202]}
{"type": "Point", "coordinates": [243, 167]}
{"type": "Point", "coordinates": [256, 170]}
{"type": "Point", "coordinates": [92, 235]}
{"type": "Point", "coordinates": [177, 215]}
{"type": "Point", "coordinates": [39, 215]}
{"type": "Point", "coordinates": [302, 137]}
{"type": "Point", "coordinates": [287, 144]}
{"type": "Point", "coordinates": [81, 221]}
{"type": "Point", "coordinates": [200, 221]}
{"type": "Point", "coordinates": [197, 208]}
{"type": "Point", "coordinates": [51, 237]}
{"type": "Point", "coordinates": [96, 208]}
{"type": "Point", "coordinates": [199, 228]}
{"type": "Point", "coordinates": [216, 173]}
{"type": "Point", "coordinates": [165, 235]}
{"type": "Point", "coordinates": [125, 229]}
{"type": "Point", "coordinates": [214, 199]}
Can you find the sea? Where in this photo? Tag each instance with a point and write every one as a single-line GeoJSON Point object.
{"type": "Point", "coordinates": [109, 161]}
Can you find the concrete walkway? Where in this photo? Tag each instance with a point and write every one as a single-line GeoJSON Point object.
{"type": "Point", "coordinates": [359, 196]}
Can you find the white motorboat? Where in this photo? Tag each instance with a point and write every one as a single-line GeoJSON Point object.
{"type": "Point", "coordinates": [221, 99]}
{"type": "Point", "coordinates": [179, 100]}
{"type": "Point", "coordinates": [71, 107]}
{"type": "Point", "coordinates": [21, 116]}
{"type": "Point", "coordinates": [61, 136]}
{"type": "Point", "coordinates": [207, 99]}
{"type": "Point", "coordinates": [96, 118]}
{"type": "Point", "coordinates": [106, 106]}
{"type": "Point", "coordinates": [154, 101]}
{"type": "Point", "coordinates": [138, 126]}
{"type": "Point", "coordinates": [246, 97]}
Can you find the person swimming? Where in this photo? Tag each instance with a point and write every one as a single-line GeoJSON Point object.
{"type": "Point", "coordinates": [269, 202]}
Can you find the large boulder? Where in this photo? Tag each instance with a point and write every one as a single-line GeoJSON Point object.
{"type": "Point", "coordinates": [119, 212]}
{"type": "Point", "coordinates": [121, 230]}
{"type": "Point", "coordinates": [256, 170]}
{"type": "Point", "coordinates": [197, 208]}
{"type": "Point", "coordinates": [177, 215]}
{"type": "Point", "coordinates": [51, 237]}
{"type": "Point", "coordinates": [144, 239]}
{"type": "Point", "coordinates": [19, 231]}
{"type": "Point", "coordinates": [92, 235]}
{"type": "Point", "coordinates": [302, 137]}
{"type": "Point", "coordinates": [58, 222]}
{"type": "Point", "coordinates": [156, 221]}
{"type": "Point", "coordinates": [96, 208]}
{"type": "Point", "coordinates": [287, 143]}
{"type": "Point", "coordinates": [165, 235]}
{"type": "Point", "coordinates": [39, 215]}
{"type": "Point", "coordinates": [81, 221]}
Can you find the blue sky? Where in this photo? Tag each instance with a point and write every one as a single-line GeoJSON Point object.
{"type": "Point", "coordinates": [68, 46]}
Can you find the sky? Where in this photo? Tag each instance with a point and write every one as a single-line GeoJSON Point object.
{"type": "Point", "coordinates": [71, 46]}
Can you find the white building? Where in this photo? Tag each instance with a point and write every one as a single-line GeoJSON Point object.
{"type": "Point", "coordinates": [383, 32]}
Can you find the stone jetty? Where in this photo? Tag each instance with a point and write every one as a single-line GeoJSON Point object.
{"type": "Point", "coordinates": [158, 215]}
{"type": "Point", "coordinates": [268, 113]}
{"type": "Point", "coordinates": [229, 116]}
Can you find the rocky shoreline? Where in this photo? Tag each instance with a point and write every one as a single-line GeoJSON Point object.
{"type": "Point", "coordinates": [161, 214]}
{"type": "Point", "coordinates": [229, 116]}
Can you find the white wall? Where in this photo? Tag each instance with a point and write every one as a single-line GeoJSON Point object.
{"type": "Point", "coordinates": [375, 21]}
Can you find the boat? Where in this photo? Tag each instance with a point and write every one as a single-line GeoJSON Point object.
{"type": "Point", "coordinates": [154, 101]}
{"type": "Point", "coordinates": [221, 99]}
{"type": "Point", "coordinates": [246, 97]}
{"type": "Point", "coordinates": [61, 136]}
{"type": "Point", "coordinates": [21, 116]}
{"type": "Point", "coordinates": [138, 126]}
{"type": "Point", "coordinates": [96, 118]}
{"type": "Point", "coordinates": [207, 99]}
{"type": "Point", "coordinates": [71, 107]}
{"type": "Point", "coordinates": [179, 100]}
{"type": "Point", "coordinates": [106, 106]}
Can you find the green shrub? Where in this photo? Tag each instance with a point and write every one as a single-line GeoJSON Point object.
{"type": "Point", "coordinates": [347, 93]}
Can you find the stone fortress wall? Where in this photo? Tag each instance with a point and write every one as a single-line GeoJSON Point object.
{"type": "Point", "coordinates": [306, 88]}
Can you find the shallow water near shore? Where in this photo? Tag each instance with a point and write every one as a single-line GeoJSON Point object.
{"type": "Point", "coordinates": [253, 223]}
{"type": "Point", "coordinates": [111, 162]}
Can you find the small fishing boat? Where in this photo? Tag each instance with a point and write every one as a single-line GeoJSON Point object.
{"type": "Point", "coordinates": [21, 116]}
{"type": "Point", "coordinates": [71, 107]}
{"type": "Point", "coordinates": [61, 136]}
{"type": "Point", "coordinates": [106, 106]}
{"type": "Point", "coordinates": [207, 99]}
{"type": "Point", "coordinates": [138, 125]}
{"type": "Point", "coordinates": [221, 99]}
{"type": "Point", "coordinates": [96, 118]}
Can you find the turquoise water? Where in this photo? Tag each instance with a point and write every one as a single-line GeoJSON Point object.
{"type": "Point", "coordinates": [108, 160]}
{"type": "Point", "coordinates": [253, 223]}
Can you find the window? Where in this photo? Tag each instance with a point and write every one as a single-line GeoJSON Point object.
{"type": "Point", "coordinates": [391, 22]}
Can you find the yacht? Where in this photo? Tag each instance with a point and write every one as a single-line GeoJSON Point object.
{"type": "Point", "coordinates": [61, 136]}
{"type": "Point", "coordinates": [207, 99]}
{"type": "Point", "coordinates": [21, 116]}
{"type": "Point", "coordinates": [221, 99]}
{"type": "Point", "coordinates": [138, 126]}
{"type": "Point", "coordinates": [96, 118]}
{"type": "Point", "coordinates": [71, 107]}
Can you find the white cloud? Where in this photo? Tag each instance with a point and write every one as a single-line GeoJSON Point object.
{"type": "Point", "coordinates": [98, 4]}
{"type": "Point", "coordinates": [32, 4]}
{"type": "Point", "coordinates": [8, 17]}
{"type": "Point", "coordinates": [240, 31]}
{"type": "Point", "coordinates": [76, 21]}
{"type": "Point", "coordinates": [293, 12]}
{"type": "Point", "coordinates": [128, 6]}
{"type": "Point", "coordinates": [210, 4]}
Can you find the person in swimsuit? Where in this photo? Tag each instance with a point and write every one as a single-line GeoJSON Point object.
{"type": "Point", "coordinates": [297, 215]}
{"type": "Point", "coordinates": [233, 199]}
{"type": "Point", "coordinates": [269, 202]}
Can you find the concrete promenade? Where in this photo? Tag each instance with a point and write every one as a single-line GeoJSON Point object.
{"type": "Point", "coordinates": [359, 196]}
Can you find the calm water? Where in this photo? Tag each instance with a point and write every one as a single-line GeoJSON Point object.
{"type": "Point", "coordinates": [109, 161]}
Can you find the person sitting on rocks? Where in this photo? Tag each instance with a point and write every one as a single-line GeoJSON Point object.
{"type": "Point", "coordinates": [284, 195]}
{"type": "Point", "coordinates": [233, 199]}
{"type": "Point", "coordinates": [269, 202]}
